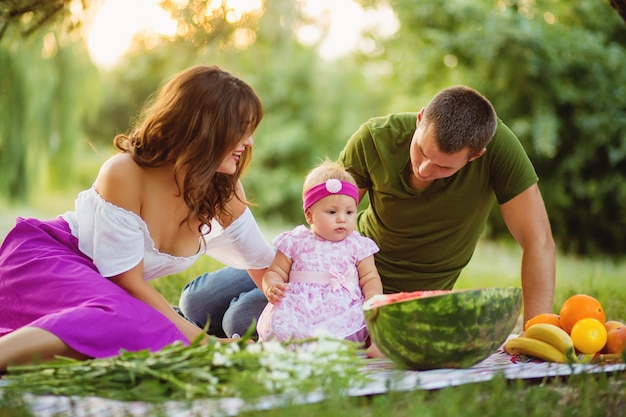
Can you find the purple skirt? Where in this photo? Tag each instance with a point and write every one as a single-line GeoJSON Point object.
{"type": "Point", "coordinates": [48, 283]}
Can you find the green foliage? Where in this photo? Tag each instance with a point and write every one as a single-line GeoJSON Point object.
{"type": "Point", "coordinates": [128, 86]}
{"type": "Point", "coordinates": [48, 89]}
{"type": "Point", "coordinates": [239, 369]}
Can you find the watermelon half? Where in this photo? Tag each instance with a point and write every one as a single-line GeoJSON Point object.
{"type": "Point", "coordinates": [442, 329]}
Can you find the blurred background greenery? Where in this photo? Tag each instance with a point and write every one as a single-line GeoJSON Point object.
{"type": "Point", "coordinates": [554, 70]}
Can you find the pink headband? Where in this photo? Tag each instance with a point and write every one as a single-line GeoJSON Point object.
{"type": "Point", "coordinates": [330, 187]}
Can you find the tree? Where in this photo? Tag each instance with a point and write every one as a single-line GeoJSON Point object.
{"type": "Point", "coordinates": [33, 15]}
{"type": "Point", "coordinates": [48, 87]}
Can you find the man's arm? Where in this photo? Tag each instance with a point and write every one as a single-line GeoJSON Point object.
{"type": "Point", "coordinates": [526, 218]}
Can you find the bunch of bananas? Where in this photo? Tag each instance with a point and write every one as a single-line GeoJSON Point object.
{"type": "Point", "coordinates": [546, 342]}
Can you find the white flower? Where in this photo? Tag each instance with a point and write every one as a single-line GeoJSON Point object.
{"type": "Point", "coordinates": [273, 346]}
{"type": "Point", "coordinates": [231, 348]}
{"type": "Point", "coordinates": [305, 357]}
{"type": "Point", "coordinates": [221, 360]}
{"type": "Point", "coordinates": [254, 348]}
{"type": "Point", "coordinates": [333, 185]}
{"type": "Point", "coordinates": [279, 375]}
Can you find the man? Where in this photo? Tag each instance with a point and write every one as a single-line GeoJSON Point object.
{"type": "Point", "coordinates": [432, 178]}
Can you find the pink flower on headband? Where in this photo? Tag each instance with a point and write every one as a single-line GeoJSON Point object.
{"type": "Point", "coordinates": [333, 185]}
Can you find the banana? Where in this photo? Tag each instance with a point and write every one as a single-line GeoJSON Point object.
{"type": "Point", "coordinates": [586, 358]}
{"type": "Point", "coordinates": [534, 347]}
{"type": "Point", "coordinates": [555, 336]}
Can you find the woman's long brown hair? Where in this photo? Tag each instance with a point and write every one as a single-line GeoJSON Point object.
{"type": "Point", "coordinates": [199, 116]}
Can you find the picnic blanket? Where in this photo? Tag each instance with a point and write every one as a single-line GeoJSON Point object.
{"type": "Point", "coordinates": [385, 377]}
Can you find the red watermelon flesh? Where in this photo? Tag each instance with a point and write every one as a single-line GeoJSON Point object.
{"type": "Point", "coordinates": [380, 300]}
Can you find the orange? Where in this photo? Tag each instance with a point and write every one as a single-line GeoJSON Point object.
{"type": "Point", "coordinates": [589, 335]}
{"type": "Point", "coordinates": [580, 306]}
{"type": "Point", "coordinates": [616, 340]}
{"type": "Point", "coordinates": [549, 318]}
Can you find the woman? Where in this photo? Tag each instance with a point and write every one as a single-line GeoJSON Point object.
{"type": "Point", "coordinates": [77, 285]}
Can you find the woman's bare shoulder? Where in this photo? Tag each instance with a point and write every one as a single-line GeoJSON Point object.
{"type": "Point", "coordinates": [119, 181]}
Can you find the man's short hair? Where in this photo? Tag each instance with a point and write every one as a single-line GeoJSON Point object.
{"type": "Point", "coordinates": [460, 117]}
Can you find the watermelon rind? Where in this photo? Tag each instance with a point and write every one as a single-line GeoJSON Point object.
{"type": "Point", "coordinates": [453, 330]}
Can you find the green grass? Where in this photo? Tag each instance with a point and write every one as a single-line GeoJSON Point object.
{"type": "Point", "coordinates": [493, 265]}
{"type": "Point", "coordinates": [498, 264]}
{"type": "Point", "coordinates": [581, 395]}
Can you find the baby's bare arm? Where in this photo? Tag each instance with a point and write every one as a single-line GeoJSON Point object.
{"type": "Point", "coordinates": [369, 280]}
{"type": "Point", "coordinates": [276, 277]}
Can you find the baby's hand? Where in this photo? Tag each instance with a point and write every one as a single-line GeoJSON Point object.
{"type": "Point", "coordinates": [276, 292]}
{"type": "Point", "coordinates": [374, 352]}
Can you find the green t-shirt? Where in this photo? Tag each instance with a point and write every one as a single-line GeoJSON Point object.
{"type": "Point", "coordinates": [426, 237]}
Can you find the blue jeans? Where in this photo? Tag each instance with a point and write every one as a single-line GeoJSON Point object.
{"type": "Point", "coordinates": [227, 298]}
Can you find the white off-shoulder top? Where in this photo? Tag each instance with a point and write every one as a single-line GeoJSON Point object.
{"type": "Point", "coordinates": [117, 239]}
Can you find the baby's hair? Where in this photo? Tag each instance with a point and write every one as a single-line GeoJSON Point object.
{"type": "Point", "coordinates": [325, 171]}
